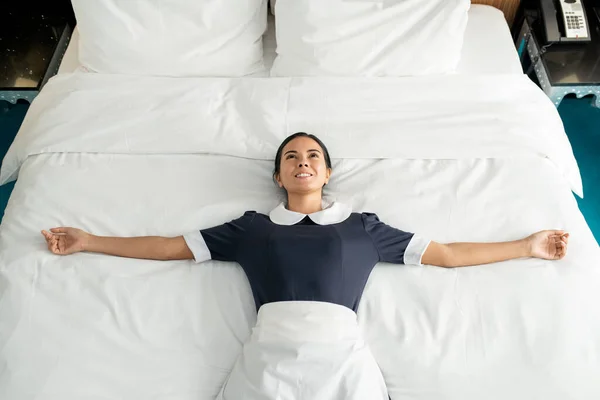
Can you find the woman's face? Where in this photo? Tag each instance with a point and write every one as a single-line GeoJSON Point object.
{"type": "Point", "coordinates": [303, 168]}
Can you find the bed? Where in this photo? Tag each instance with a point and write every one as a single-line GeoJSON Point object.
{"type": "Point", "coordinates": [477, 156]}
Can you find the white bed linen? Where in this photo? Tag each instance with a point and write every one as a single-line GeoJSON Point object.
{"type": "Point", "coordinates": [487, 118]}
{"type": "Point", "coordinates": [369, 38]}
{"type": "Point", "coordinates": [137, 156]}
{"type": "Point", "coordinates": [172, 37]}
{"type": "Point", "coordinates": [487, 49]}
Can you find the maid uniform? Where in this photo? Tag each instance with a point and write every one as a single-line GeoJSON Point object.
{"type": "Point", "coordinates": [307, 274]}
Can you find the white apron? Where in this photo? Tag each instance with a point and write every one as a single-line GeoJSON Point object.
{"type": "Point", "coordinates": [305, 350]}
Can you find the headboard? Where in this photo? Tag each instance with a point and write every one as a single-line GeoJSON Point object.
{"type": "Point", "coordinates": [509, 7]}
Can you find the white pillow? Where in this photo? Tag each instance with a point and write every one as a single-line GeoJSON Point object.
{"type": "Point", "coordinates": [172, 37]}
{"type": "Point", "coordinates": [369, 37]}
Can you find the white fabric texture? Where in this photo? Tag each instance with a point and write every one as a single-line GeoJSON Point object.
{"type": "Point", "coordinates": [305, 350]}
{"type": "Point", "coordinates": [506, 123]}
{"type": "Point", "coordinates": [171, 37]}
{"type": "Point", "coordinates": [413, 255]}
{"type": "Point", "coordinates": [333, 213]}
{"type": "Point", "coordinates": [369, 37]}
{"type": "Point", "coordinates": [197, 245]}
{"type": "Point", "coordinates": [455, 158]}
{"type": "Point", "coordinates": [488, 46]}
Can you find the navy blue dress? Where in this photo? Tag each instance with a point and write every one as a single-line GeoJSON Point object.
{"type": "Point", "coordinates": [306, 261]}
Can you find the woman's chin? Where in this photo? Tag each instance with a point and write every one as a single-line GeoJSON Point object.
{"type": "Point", "coordinates": [303, 189]}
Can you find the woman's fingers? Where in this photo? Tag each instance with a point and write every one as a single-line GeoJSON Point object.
{"type": "Point", "coordinates": [53, 244]}
{"type": "Point", "coordinates": [564, 236]}
{"type": "Point", "coordinates": [556, 244]}
{"type": "Point", "coordinates": [562, 249]}
{"type": "Point", "coordinates": [56, 240]}
{"type": "Point", "coordinates": [49, 239]}
{"type": "Point", "coordinates": [563, 240]}
{"type": "Point", "coordinates": [557, 252]}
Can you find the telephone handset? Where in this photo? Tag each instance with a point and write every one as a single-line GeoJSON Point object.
{"type": "Point", "coordinates": [573, 24]}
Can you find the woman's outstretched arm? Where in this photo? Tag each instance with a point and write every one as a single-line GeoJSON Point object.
{"type": "Point", "coordinates": [549, 245]}
{"type": "Point", "coordinates": [65, 241]}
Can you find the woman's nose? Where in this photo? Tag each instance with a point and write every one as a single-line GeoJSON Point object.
{"type": "Point", "coordinates": [305, 164]}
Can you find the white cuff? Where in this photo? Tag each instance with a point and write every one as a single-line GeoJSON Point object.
{"type": "Point", "coordinates": [415, 250]}
{"type": "Point", "coordinates": [197, 246]}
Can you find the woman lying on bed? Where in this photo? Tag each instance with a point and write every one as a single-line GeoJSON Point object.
{"type": "Point", "coordinates": [307, 263]}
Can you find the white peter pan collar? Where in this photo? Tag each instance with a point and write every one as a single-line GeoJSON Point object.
{"type": "Point", "coordinates": [333, 213]}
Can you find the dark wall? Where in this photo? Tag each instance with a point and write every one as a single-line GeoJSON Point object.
{"type": "Point", "coordinates": [25, 10]}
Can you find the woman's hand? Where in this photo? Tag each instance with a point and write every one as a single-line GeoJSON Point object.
{"type": "Point", "coordinates": [549, 245]}
{"type": "Point", "coordinates": [64, 241]}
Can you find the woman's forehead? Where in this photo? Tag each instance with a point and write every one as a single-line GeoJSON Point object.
{"type": "Point", "coordinates": [302, 143]}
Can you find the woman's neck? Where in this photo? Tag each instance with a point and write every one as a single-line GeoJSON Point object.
{"type": "Point", "coordinates": [306, 203]}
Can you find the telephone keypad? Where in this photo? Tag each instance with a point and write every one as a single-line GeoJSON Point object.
{"type": "Point", "coordinates": [574, 22]}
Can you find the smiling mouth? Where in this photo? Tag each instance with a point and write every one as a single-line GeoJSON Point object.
{"type": "Point", "coordinates": [303, 175]}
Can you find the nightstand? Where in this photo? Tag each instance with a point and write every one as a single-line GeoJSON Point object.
{"type": "Point", "coordinates": [31, 48]}
{"type": "Point", "coordinates": [562, 68]}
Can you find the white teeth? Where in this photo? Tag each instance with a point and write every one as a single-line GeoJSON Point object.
{"type": "Point", "coordinates": [302, 175]}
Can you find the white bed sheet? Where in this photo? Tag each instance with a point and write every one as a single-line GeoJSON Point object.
{"type": "Point", "coordinates": [488, 47]}
{"type": "Point", "coordinates": [126, 156]}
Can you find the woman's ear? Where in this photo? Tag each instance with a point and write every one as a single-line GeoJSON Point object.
{"type": "Point", "coordinates": [328, 175]}
{"type": "Point", "coordinates": [278, 180]}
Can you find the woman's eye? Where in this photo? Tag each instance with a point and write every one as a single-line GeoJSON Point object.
{"type": "Point", "coordinates": [290, 156]}
{"type": "Point", "coordinates": [314, 155]}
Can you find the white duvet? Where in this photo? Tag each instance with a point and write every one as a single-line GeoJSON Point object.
{"type": "Point", "coordinates": [453, 158]}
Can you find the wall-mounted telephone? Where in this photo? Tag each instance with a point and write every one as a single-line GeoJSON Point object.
{"type": "Point", "coordinates": [568, 24]}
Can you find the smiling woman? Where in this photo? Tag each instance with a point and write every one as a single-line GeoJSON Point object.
{"type": "Point", "coordinates": [303, 168]}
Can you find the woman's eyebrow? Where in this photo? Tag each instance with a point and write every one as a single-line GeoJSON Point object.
{"type": "Point", "coordinates": [294, 151]}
